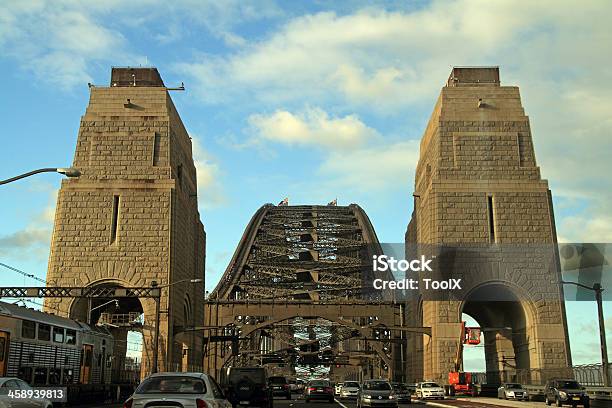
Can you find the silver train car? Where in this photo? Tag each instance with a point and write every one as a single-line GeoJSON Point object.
{"type": "Point", "coordinates": [47, 350]}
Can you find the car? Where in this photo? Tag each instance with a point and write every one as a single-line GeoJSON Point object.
{"type": "Point", "coordinates": [293, 387]}
{"type": "Point", "coordinates": [197, 390]}
{"type": "Point", "coordinates": [300, 385]}
{"type": "Point", "coordinates": [402, 392]}
{"type": "Point", "coordinates": [248, 386]}
{"type": "Point", "coordinates": [429, 390]}
{"type": "Point", "coordinates": [318, 390]}
{"type": "Point", "coordinates": [11, 387]}
{"type": "Point", "coordinates": [338, 388]}
{"type": "Point", "coordinates": [512, 391]}
{"type": "Point", "coordinates": [279, 386]}
{"type": "Point", "coordinates": [565, 392]}
{"type": "Point", "coordinates": [376, 393]}
{"type": "Point", "coordinates": [350, 389]}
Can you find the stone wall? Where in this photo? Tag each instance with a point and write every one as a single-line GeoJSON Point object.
{"type": "Point", "coordinates": [477, 183]}
{"type": "Point", "coordinates": [131, 218]}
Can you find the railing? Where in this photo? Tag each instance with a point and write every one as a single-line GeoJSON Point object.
{"type": "Point", "coordinates": [590, 375]}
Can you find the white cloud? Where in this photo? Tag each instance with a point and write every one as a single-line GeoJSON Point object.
{"type": "Point", "coordinates": [59, 41]}
{"type": "Point", "coordinates": [210, 188]}
{"type": "Point", "coordinates": [390, 62]}
{"type": "Point", "coordinates": [373, 168]}
{"type": "Point", "coordinates": [313, 126]}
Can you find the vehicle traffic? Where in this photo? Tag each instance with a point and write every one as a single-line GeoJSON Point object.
{"type": "Point", "coordinates": [319, 390]}
{"type": "Point", "coordinates": [566, 392]}
{"type": "Point", "coordinates": [429, 390]}
{"type": "Point", "coordinates": [350, 389]}
{"type": "Point", "coordinates": [376, 393]}
{"type": "Point", "coordinates": [512, 391]}
{"type": "Point", "coordinates": [193, 390]}
{"type": "Point", "coordinates": [402, 392]}
{"type": "Point", "coordinates": [279, 386]}
{"type": "Point", "coordinates": [248, 386]}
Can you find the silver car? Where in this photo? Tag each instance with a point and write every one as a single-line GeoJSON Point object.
{"type": "Point", "coordinates": [11, 391]}
{"type": "Point", "coordinates": [512, 391]}
{"type": "Point", "coordinates": [188, 390]}
{"type": "Point", "coordinates": [376, 393]}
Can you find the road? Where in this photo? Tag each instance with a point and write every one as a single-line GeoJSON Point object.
{"type": "Point", "coordinates": [298, 402]}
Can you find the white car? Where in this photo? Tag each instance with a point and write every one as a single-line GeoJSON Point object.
{"type": "Point", "coordinates": [512, 391]}
{"type": "Point", "coordinates": [11, 390]}
{"type": "Point", "coordinates": [429, 390]}
{"type": "Point", "coordinates": [350, 389]}
{"type": "Point", "coordinates": [338, 388]}
{"type": "Point", "coordinates": [193, 390]}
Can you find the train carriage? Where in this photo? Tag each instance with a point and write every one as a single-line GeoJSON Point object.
{"type": "Point", "coordinates": [48, 350]}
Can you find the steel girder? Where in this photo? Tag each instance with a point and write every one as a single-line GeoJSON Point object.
{"type": "Point", "coordinates": [300, 276]}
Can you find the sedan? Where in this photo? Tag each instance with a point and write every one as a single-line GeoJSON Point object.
{"type": "Point", "coordinates": [319, 389]}
{"type": "Point", "coordinates": [187, 390]}
{"type": "Point", "coordinates": [350, 389]}
{"type": "Point", "coordinates": [11, 387]}
{"type": "Point", "coordinates": [376, 393]}
{"type": "Point", "coordinates": [512, 391]}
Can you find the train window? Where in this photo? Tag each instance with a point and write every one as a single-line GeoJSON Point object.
{"type": "Point", "coordinates": [28, 329]}
{"type": "Point", "coordinates": [40, 376]}
{"type": "Point", "coordinates": [54, 376]}
{"type": "Point", "coordinates": [70, 336]}
{"type": "Point", "coordinates": [68, 376]}
{"type": "Point", "coordinates": [44, 332]}
{"type": "Point", "coordinates": [25, 373]}
{"type": "Point", "coordinates": [58, 334]}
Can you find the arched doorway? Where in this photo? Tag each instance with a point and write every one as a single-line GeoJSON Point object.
{"type": "Point", "coordinates": [504, 318]}
{"type": "Point", "coordinates": [124, 319]}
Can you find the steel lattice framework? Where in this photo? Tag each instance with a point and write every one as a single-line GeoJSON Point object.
{"type": "Point", "coordinates": [298, 290]}
{"type": "Point", "coordinates": [302, 252]}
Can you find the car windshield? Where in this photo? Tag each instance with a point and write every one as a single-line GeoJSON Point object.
{"type": "Point", "coordinates": [277, 380]}
{"type": "Point", "coordinates": [172, 385]}
{"type": "Point", "coordinates": [430, 385]}
{"type": "Point", "coordinates": [377, 386]}
{"type": "Point", "coordinates": [513, 386]}
{"type": "Point", "coordinates": [400, 387]}
{"type": "Point", "coordinates": [568, 384]}
{"type": "Point", "coordinates": [352, 384]}
{"type": "Point", "coordinates": [319, 383]}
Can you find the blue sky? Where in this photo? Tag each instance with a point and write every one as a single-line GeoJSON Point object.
{"type": "Point", "coordinates": [311, 100]}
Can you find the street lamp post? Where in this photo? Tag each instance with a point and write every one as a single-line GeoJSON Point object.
{"type": "Point", "coordinates": [602, 328]}
{"type": "Point", "coordinates": [68, 172]}
{"type": "Point", "coordinates": [157, 288]}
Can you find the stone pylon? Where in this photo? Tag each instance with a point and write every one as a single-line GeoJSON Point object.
{"type": "Point", "coordinates": [131, 218]}
{"type": "Point", "coordinates": [479, 193]}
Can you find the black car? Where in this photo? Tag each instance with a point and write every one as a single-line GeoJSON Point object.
{"type": "Point", "coordinates": [279, 386]}
{"type": "Point", "coordinates": [319, 390]}
{"type": "Point", "coordinates": [566, 392]}
{"type": "Point", "coordinates": [248, 386]}
{"type": "Point", "coordinates": [402, 392]}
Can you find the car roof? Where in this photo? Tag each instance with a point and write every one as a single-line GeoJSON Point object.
{"type": "Point", "coordinates": [175, 374]}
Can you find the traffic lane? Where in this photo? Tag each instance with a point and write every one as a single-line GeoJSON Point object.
{"type": "Point", "coordinates": [352, 403]}
{"type": "Point", "coordinates": [297, 401]}
{"type": "Point", "coordinates": [481, 402]}
{"type": "Point", "coordinates": [490, 402]}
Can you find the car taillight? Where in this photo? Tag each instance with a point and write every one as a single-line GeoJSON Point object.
{"type": "Point", "coordinates": [285, 385]}
{"type": "Point", "coordinates": [200, 403]}
{"type": "Point", "coordinates": [128, 403]}
{"type": "Point", "coordinates": [311, 388]}
{"type": "Point", "coordinates": [328, 389]}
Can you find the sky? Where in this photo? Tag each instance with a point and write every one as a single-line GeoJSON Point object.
{"type": "Point", "coordinates": [310, 100]}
